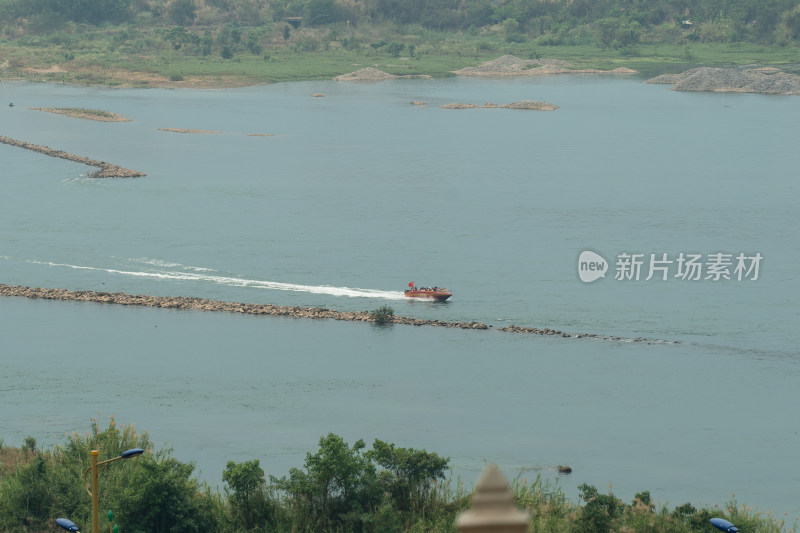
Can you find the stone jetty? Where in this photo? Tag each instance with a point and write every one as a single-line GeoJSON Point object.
{"type": "Point", "coordinates": [202, 304]}
{"type": "Point", "coordinates": [106, 170]}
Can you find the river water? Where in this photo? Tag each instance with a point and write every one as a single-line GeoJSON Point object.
{"type": "Point", "coordinates": [340, 201]}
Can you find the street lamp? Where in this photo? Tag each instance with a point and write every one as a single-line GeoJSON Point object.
{"type": "Point", "coordinates": [94, 492]}
{"type": "Point", "coordinates": [724, 525]}
{"type": "Point", "coordinates": [67, 524]}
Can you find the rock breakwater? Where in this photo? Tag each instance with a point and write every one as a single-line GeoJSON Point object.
{"type": "Point", "coordinates": [524, 104]}
{"type": "Point", "coordinates": [202, 304]}
{"type": "Point", "coordinates": [106, 170]}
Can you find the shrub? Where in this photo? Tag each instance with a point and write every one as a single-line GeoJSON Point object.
{"type": "Point", "coordinates": [382, 315]}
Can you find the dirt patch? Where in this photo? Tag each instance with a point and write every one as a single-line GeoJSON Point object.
{"type": "Point", "coordinates": [54, 69]}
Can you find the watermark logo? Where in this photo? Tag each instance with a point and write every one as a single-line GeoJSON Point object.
{"type": "Point", "coordinates": [591, 266]}
{"type": "Point", "coordinates": [683, 266]}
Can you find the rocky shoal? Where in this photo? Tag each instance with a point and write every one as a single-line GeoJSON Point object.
{"type": "Point", "coordinates": [201, 304]}
{"type": "Point", "coordinates": [106, 170]}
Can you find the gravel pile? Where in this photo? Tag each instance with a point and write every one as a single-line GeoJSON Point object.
{"type": "Point", "coordinates": [373, 74]}
{"type": "Point", "coordinates": [509, 65]}
{"type": "Point", "coordinates": [731, 80]}
{"type": "Point", "coordinates": [365, 74]}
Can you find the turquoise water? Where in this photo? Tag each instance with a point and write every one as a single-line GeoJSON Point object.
{"type": "Point", "coordinates": [354, 195]}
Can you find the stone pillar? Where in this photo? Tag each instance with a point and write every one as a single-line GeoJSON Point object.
{"type": "Point", "coordinates": [493, 509]}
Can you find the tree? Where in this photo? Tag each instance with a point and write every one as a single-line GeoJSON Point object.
{"type": "Point", "coordinates": [412, 473]}
{"type": "Point", "coordinates": [338, 486]}
{"type": "Point", "coordinates": [395, 48]}
{"type": "Point", "coordinates": [177, 36]}
{"type": "Point", "coordinates": [182, 12]}
{"type": "Point", "coordinates": [321, 12]}
{"type": "Point", "coordinates": [206, 43]}
{"type": "Point", "coordinates": [599, 512]}
{"type": "Point", "coordinates": [252, 43]}
{"type": "Point", "coordinates": [247, 493]}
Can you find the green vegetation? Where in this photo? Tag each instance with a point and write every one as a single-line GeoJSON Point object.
{"type": "Point", "coordinates": [340, 488]}
{"type": "Point", "coordinates": [234, 42]}
{"type": "Point", "coordinates": [84, 111]}
{"type": "Point", "coordinates": [382, 315]}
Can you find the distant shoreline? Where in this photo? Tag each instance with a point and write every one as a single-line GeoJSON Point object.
{"type": "Point", "coordinates": [202, 304]}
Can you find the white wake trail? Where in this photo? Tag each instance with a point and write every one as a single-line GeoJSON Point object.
{"type": "Point", "coordinates": [205, 275]}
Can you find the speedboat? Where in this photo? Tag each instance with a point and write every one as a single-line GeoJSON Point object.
{"type": "Point", "coordinates": [439, 294]}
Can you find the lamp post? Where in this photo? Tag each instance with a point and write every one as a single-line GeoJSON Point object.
{"type": "Point", "coordinates": [94, 492]}
{"type": "Point", "coordinates": [724, 525]}
{"type": "Point", "coordinates": [67, 524]}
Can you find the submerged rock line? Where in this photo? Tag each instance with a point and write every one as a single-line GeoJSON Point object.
{"type": "Point", "coordinates": [202, 304]}
{"type": "Point", "coordinates": [107, 170]}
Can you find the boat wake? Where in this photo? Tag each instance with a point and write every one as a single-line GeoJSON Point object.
{"type": "Point", "coordinates": [158, 269]}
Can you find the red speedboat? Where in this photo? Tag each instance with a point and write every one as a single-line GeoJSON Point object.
{"type": "Point", "coordinates": [439, 294]}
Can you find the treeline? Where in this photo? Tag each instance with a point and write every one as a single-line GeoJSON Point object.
{"type": "Point", "coordinates": [341, 488]}
{"type": "Point", "coordinates": [611, 23]}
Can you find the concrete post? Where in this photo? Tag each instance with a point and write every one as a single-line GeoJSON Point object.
{"type": "Point", "coordinates": [493, 509]}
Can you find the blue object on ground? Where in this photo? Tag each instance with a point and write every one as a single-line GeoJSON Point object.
{"type": "Point", "coordinates": [67, 524]}
{"type": "Point", "coordinates": [724, 525]}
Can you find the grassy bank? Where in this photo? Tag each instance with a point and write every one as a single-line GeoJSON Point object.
{"type": "Point", "coordinates": [128, 56]}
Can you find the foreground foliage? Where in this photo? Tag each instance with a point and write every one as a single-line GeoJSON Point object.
{"type": "Point", "coordinates": [340, 488]}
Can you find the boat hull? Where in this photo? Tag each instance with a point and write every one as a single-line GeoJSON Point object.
{"type": "Point", "coordinates": [439, 296]}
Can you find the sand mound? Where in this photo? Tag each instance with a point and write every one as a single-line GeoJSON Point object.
{"type": "Point", "coordinates": [373, 74]}
{"type": "Point", "coordinates": [365, 74]}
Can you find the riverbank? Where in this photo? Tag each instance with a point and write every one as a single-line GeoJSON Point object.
{"type": "Point", "coordinates": [317, 313]}
{"type": "Point", "coordinates": [438, 56]}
